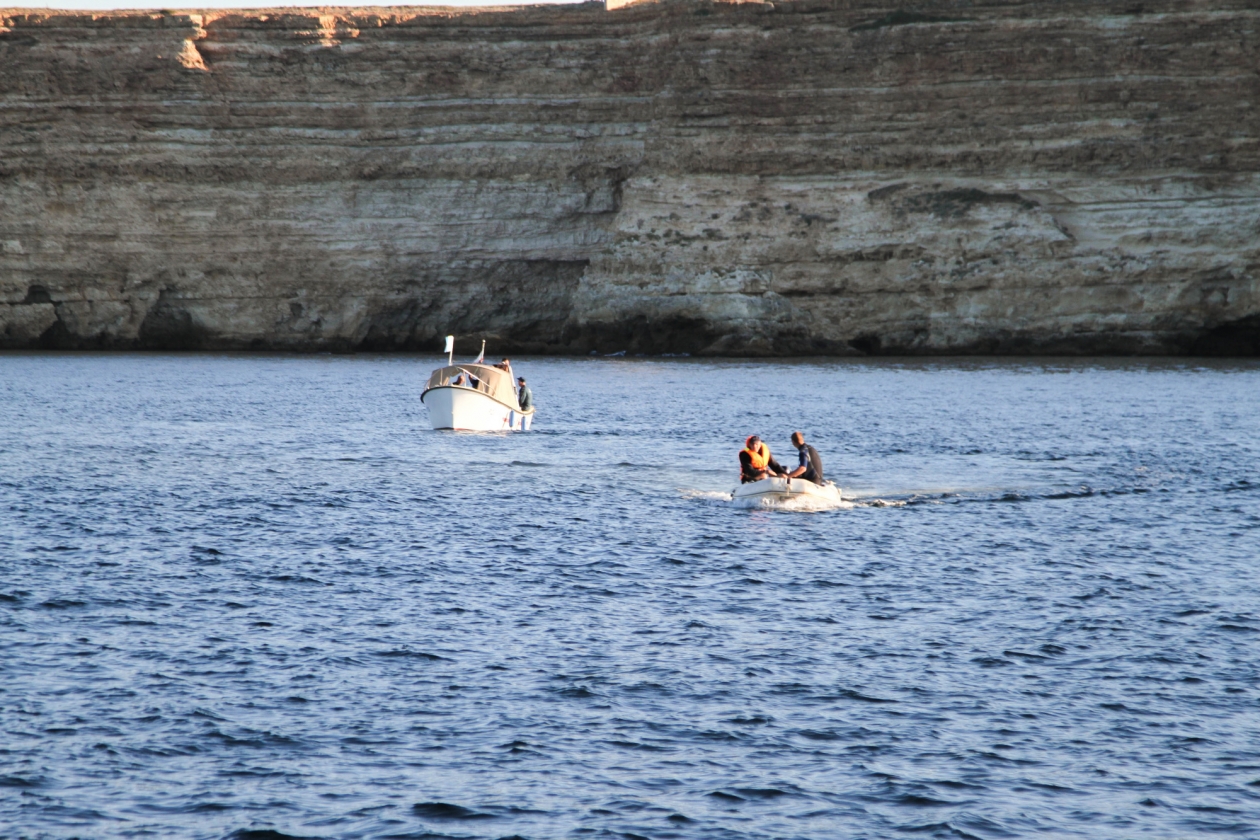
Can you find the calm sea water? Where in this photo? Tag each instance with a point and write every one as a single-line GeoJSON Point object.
{"type": "Point", "coordinates": [257, 597]}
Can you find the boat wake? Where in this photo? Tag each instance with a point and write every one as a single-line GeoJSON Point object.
{"type": "Point", "coordinates": [712, 496]}
{"type": "Point", "coordinates": [880, 503]}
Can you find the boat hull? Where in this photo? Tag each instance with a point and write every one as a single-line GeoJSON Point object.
{"type": "Point", "coordinates": [464, 409]}
{"type": "Point", "coordinates": [773, 490]}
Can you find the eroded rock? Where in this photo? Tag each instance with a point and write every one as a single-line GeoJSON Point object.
{"type": "Point", "coordinates": [812, 177]}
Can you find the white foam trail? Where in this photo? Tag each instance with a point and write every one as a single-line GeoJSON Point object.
{"type": "Point", "coordinates": [879, 503]}
{"type": "Point", "coordinates": [705, 495]}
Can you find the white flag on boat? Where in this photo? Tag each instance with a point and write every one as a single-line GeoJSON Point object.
{"type": "Point", "coordinates": [450, 344]}
{"type": "Point", "coordinates": [482, 357]}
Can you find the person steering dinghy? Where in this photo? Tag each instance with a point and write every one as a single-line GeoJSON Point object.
{"type": "Point", "coordinates": [811, 464]}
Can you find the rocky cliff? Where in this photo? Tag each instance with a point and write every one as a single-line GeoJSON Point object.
{"type": "Point", "coordinates": [817, 176]}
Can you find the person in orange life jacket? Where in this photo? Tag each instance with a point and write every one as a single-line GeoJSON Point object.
{"type": "Point", "coordinates": [756, 462]}
{"type": "Point", "coordinates": [811, 464]}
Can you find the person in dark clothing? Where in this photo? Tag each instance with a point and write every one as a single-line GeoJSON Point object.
{"type": "Point", "coordinates": [811, 464]}
{"type": "Point", "coordinates": [524, 396]}
{"type": "Point", "coordinates": [756, 462]}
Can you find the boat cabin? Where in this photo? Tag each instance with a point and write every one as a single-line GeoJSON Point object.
{"type": "Point", "coordinates": [491, 381]}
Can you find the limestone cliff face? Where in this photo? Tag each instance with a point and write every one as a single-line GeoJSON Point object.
{"type": "Point", "coordinates": [818, 176]}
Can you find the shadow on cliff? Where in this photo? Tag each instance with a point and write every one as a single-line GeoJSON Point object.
{"type": "Point", "coordinates": [1240, 337]}
{"type": "Point", "coordinates": [169, 326]}
{"type": "Point", "coordinates": [532, 316]}
{"type": "Point", "coordinates": [518, 306]}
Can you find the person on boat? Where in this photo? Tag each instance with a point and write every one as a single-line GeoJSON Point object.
{"type": "Point", "coordinates": [756, 462]}
{"type": "Point", "coordinates": [524, 396]}
{"type": "Point", "coordinates": [506, 367]}
{"type": "Point", "coordinates": [811, 464]}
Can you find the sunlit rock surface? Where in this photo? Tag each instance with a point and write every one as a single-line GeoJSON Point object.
{"type": "Point", "coordinates": [677, 177]}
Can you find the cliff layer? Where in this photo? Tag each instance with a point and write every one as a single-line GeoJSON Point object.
{"type": "Point", "coordinates": [817, 176]}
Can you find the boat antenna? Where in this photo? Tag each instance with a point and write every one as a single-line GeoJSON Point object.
{"type": "Point", "coordinates": [482, 357]}
{"type": "Point", "coordinates": [450, 350]}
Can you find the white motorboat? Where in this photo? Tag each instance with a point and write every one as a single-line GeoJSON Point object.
{"type": "Point", "coordinates": [778, 490]}
{"type": "Point", "coordinates": [474, 397]}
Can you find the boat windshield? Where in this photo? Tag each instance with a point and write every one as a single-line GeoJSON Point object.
{"type": "Point", "coordinates": [488, 380]}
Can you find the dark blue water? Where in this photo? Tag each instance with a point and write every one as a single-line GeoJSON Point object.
{"type": "Point", "coordinates": [252, 594]}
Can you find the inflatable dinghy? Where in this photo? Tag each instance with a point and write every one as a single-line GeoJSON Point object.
{"type": "Point", "coordinates": [774, 490]}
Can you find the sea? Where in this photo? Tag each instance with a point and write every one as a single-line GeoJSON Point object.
{"type": "Point", "coordinates": [257, 597]}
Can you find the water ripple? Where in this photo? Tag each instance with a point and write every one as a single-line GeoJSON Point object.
{"type": "Point", "coordinates": [258, 598]}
